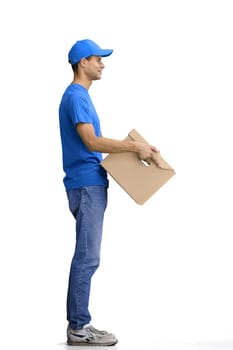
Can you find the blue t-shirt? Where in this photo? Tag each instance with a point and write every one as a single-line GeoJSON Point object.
{"type": "Point", "coordinates": [81, 166]}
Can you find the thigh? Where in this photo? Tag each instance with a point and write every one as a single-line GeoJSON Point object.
{"type": "Point", "coordinates": [92, 198]}
{"type": "Point", "coordinates": [90, 217]}
{"type": "Point", "coordinates": [95, 201]}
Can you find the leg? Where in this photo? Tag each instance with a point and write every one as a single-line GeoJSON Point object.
{"type": "Point", "coordinates": [88, 205]}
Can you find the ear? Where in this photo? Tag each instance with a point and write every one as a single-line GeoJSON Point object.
{"type": "Point", "coordinates": [82, 62]}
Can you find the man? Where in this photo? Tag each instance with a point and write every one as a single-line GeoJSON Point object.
{"type": "Point", "coordinates": [86, 184]}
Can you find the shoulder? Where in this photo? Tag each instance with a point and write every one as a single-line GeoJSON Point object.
{"type": "Point", "coordinates": [75, 94]}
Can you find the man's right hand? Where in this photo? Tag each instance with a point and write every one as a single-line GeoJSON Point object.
{"type": "Point", "coordinates": [147, 152]}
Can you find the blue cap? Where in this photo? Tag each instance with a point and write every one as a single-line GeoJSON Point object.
{"type": "Point", "coordinates": [85, 48]}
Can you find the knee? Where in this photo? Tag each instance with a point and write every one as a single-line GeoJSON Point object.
{"type": "Point", "coordinates": [92, 265]}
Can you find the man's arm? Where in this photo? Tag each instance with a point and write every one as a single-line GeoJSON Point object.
{"type": "Point", "coordinates": [107, 145]}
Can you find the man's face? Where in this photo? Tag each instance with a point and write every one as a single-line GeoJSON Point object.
{"type": "Point", "coordinates": [94, 67]}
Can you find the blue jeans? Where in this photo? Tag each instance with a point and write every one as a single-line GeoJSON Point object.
{"type": "Point", "coordinates": [87, 204]}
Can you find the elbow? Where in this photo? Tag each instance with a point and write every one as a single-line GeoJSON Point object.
{"type": "Point", "coordinates": [91, 145]}
{"type": "Point", "coordinates": [91, 148]}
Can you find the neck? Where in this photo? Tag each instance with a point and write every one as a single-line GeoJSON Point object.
{"type": "Point", "coordinates": [82, 81]}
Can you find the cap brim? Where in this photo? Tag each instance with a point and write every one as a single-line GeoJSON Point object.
{"type": "Point", "coordinates": [104, 53]}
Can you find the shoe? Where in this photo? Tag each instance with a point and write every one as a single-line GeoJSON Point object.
{"type": "Point", "coordinates": [89, 335]}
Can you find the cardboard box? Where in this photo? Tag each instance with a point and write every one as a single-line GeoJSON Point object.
{"type": "Point", "coordinates": [136, 177]}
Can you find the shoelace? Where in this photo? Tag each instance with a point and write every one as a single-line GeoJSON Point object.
{"type": "Point", "coordinates": [93, 331]}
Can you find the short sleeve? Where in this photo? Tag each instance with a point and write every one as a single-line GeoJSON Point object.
{"type": "Point", "coordinates": [79, 109]}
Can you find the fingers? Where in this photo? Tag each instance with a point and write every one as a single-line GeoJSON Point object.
{"type": "Point", "coordinates": [155, 160]}
{"type": "Point", "coordinates": [148, 153]}
{"type": "Point", "coordinates": [158, 164]}
{"type": "Point", "coordinates": [155, 149]}
{"type": "Point", "coordinates": [156, 157]}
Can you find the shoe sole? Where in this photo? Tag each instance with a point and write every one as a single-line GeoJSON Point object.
{"type": "Point", "coordinates": [90, 344]}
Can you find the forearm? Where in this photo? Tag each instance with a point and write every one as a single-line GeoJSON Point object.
{"type": "Point", "coordinates": [107, 145]}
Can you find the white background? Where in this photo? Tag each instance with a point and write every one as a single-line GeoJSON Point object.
{"type": "Point", "coordinates": [167, 266]}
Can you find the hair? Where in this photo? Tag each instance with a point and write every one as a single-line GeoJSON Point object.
{"type": "Point", "coordinates": [75, 65]}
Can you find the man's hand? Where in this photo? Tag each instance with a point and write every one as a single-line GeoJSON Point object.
{"type": "Point", "coordinates": [156, 157]}
{"type": "Point", "coordinates": [147, 152]}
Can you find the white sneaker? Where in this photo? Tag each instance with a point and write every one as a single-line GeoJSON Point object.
{"type": "Point", "coordinates": [89, 335]}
